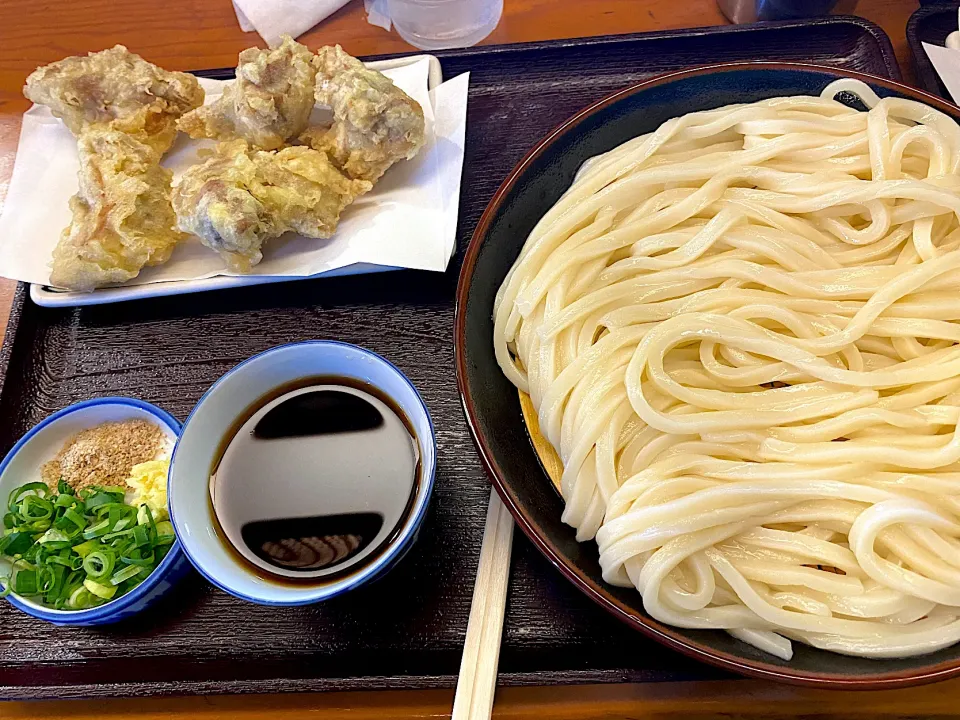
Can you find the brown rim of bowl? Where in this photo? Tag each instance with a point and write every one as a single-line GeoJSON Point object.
{"type": "Point", "coordinates": [653, 629]}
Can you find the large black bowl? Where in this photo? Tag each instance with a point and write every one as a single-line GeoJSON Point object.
{"type": "Point", "coordinates": [491, 403]}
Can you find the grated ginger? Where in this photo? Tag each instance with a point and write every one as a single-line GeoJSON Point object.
{"type": "Point", "coordinates": [149, 483]}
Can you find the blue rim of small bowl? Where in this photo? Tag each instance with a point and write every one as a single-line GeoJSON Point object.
{"type": "Point", "coordinates": [141, 590]}
{"type": "Point", "coordinates": [384, 563]}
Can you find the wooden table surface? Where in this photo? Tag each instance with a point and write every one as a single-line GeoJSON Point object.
{"type": "Point", "coordinates": [193, 34]}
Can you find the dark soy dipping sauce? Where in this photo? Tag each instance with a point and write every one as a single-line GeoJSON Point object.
{"type": "Point", "coordinates": [314, 481]}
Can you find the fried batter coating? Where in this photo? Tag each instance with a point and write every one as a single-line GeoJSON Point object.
{"type": "Point", "coordinates": [269, 102]}
{"type": "Point", "coordinates": [241, 197]}
{"type": "Point", "coordinates": [116, 86]}
{"type": "Point", "coordinates": [375, 122]}
{"type": "Point", "coordinates": [122, 217]}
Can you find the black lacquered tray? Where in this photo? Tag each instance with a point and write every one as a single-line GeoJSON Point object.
{"type": "Point", "coordinates": [406, 630]}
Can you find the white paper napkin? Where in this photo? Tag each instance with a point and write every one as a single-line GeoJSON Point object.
{"type": "Point", "coordinates": [946, 62]}
{"type": "Point", "coordinates": [274, 18]}
{"type": "Point", "coordinates": [245, 24]}
{"type": "Point", "coordinates": [407, 221]}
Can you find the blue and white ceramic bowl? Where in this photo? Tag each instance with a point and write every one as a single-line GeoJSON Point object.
{"type": "Point", "coordinates": [22, 465]}
{"type": "Point", "coordinates": [217, 412]}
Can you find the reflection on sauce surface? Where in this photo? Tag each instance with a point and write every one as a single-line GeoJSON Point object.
{"type": "Point", "coordinates": [311, 543]}
{"type": "Point", "coordinates": [315, 481]}
{"type": "Point", "coordinates": [318, 412]}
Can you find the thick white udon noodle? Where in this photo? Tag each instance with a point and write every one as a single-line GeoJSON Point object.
{"type": "Point", "coordinates": [740, 332]}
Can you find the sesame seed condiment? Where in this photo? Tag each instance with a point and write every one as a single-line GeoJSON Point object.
{"type": "Point", "coordinates": [104, 455]}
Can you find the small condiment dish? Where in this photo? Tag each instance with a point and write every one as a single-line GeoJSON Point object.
{"type": "Point", "coordinates": [216, 419]}
{"type": "Point", "coordinates": [22, 465]}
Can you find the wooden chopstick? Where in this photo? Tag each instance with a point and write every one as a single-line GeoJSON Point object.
{"type": "Point", "coordinates": [481, 649]}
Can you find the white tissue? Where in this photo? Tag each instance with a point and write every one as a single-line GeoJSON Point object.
{"type": "Point", "coordinates": [947, 64]}
{"type": "Point", "coordinates": [274, 18]}
{"type": "Point", "coordinates": [245, 24]}
{"type": "Point", "coordinates": [946, 61]}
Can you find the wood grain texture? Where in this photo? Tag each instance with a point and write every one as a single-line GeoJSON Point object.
{"type": "Point", "coordinates": [741, 699]}
{"type": "Point", "coordinates": [98, 351]}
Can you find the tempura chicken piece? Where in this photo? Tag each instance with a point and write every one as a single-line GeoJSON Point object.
{"type": "Point", "coordinates": [122, 216]}
{"type": "Point", "coordinates": [241, 197]}
{"type": "Point", "coordinates": [375, 123]}
{"type": "Point", "coordinates": [214, 201]}
{"type": "Point", "coordinates": [116, 86]}
{"type": "Point", "coordinates": [268, 103]}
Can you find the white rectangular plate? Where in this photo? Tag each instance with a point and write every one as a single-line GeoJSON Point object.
{"type": "Point", "coordinates": [51, 297]}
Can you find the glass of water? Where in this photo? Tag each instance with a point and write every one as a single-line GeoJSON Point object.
{"type": "Point", "coordinates": [439, 24]}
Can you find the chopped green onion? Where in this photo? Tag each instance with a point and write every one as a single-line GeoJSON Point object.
{"type": "Point", "coordinates": [123, 523]}
{"type": "Point", "coordinates": [117, 492]}
{"type": "Point", "coordinates": [125, 574]}
{"type": "Point", "coordinates": [54, 584]}
{"type": "Point", "coordinates": [114, 535]}
{"type": "Point", "coordinates": [16, 543]}
{"type": "Point", "coordinates": [80, 598]}
{"type": "Point", "coordinates": [77, 550]}
{"type": "Point", "coordinates": [99, 499]}
{"type": "Point", "coordinates": [71, 521]}
{"type": "Point", "coordinates": [25, 582]}
{"type": "Point", "coordinates": [35, 509]}
{"type": "Point", "coordinates": [37, 489]}
{"type": "Point", "coordinates": [71, 561]}
{"type": "Point", "coordinates": [165, 533]}
{"type": "Point", "coordinates": [101, 528]}
{"type": "Point", "coordinates": [65, 501]}
{"type": "Point", "coordinates": [103, 591]}
{"type": "Point", "coordinates": [136, 556]}
{"type": "Point", "coordinates": [99, 564]}
{"type": "Point", "coordinates": [85, 548]}
{"type": "Point", "coordinates": [53, 536]}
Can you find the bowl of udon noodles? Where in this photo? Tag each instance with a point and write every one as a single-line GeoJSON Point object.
{"type": "Point", "coordinates": [708, 346]}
